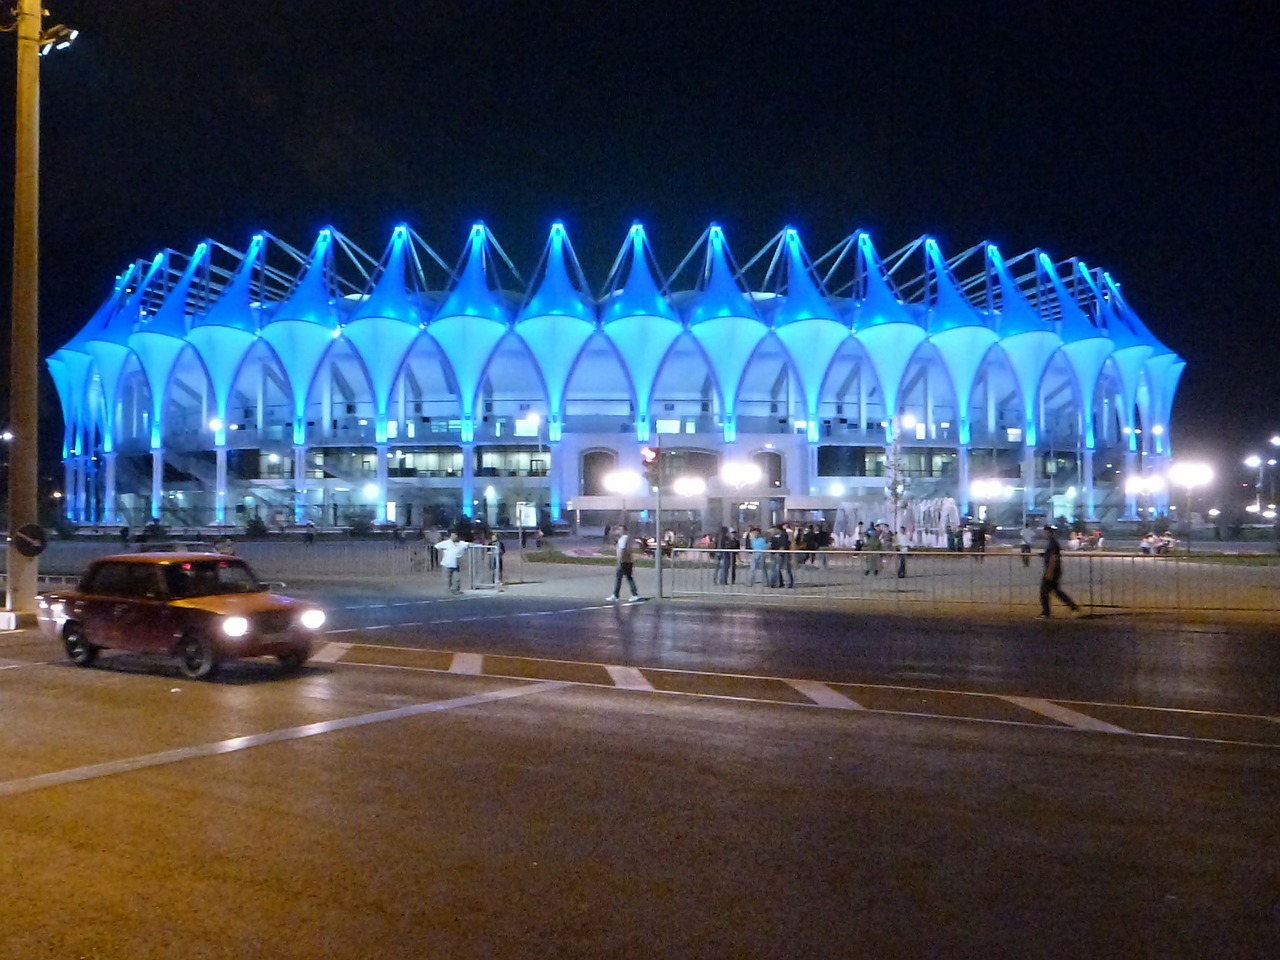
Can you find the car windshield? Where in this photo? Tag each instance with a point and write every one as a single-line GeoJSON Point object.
{"type": "Point", "coordinates": [207, 578]}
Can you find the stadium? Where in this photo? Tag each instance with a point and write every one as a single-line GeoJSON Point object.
{"type": "Point", "coordinates": [331, 386]}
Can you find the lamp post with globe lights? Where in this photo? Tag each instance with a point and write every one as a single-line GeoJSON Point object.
{"type": "Point", "coordinates": [1190, 475]}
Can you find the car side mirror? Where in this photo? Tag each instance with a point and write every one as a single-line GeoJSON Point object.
{"type": "Point", "coordinates": [273, 585]}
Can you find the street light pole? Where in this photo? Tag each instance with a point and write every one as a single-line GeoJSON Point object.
{"type": "Point", "coordinates": [657, 527]}
{"type": "Point", "coordinates": [24, 357]}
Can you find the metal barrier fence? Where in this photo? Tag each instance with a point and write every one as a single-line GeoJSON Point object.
{"type": "Point", "coordinates": [1000, 580]}
{"type": "Point", "coordinates": [286, 560]}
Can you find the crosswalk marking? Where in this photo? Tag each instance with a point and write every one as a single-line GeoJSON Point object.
{"type": "Point", "coordinates": [331, 652]}
{"type": "Point", "coordinates": [824, 696]}
{"type": "Point", "coordinates": [471, 664]}
{"type": "Point", "coordinates": [628, 678]}
{"type": "Point", "coordinates": [1072, 718]}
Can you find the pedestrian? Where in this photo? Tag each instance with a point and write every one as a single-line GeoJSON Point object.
{"type": "Point", "coordinates": [784, 557]}
{"type": "Point", "coordinates": [124, 534]}
{"type": "Point", "coordinates": [625, 552]}
{"type": "Point", "coordinates": [824, 544]}
{"type": "Point", "coordinates": [735, 545]}
{"type": "Point", "coordinates": [756, 540]}
{"type": "Point", "coordinates": [499, 552]}
{"type": "Point", "coordinates": [724, 559]}
{"type": "Point", "coordinates": [1028, 535]}
{"type": "Point", "coordinates": [859, 535]}
{"type": "Point", "coordinates": [309, 533]}
{"type": "Point", "coordinates": [903, 547]}
{"type": "Point", "coordinates": [1052, 577]}
{"type": "Point", "coordinates": [451, 552]}
{"type": "Point", "coordinates": [871, 556]}
{"type": "Point", "coordinates": [979, 540]}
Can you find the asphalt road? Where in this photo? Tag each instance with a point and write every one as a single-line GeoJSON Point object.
{"type": "Point", "coordinates": [536, 776]}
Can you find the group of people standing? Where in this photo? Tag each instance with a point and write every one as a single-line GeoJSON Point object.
{"type": "Point", "coordinates": [772, 551]}
{"type": "Point", "coordinates": [876, 541]}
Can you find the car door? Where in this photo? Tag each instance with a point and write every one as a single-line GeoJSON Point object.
{"type": "Point", "coordinates": [145, 622]}
{"type": "Point", "coordinates": [103, 602]}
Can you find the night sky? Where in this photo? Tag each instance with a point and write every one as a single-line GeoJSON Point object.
{"type": "Point", "coordinates": [1144, 143]}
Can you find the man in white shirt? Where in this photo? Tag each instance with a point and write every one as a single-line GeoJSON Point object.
{"type": "Point", "coordinates": [451, 552]}
{"type": "Point", "coordinates": [625, 553]}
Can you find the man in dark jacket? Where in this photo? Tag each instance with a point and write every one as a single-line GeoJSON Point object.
{"type": "Point", "coordinates": [1049, 581]}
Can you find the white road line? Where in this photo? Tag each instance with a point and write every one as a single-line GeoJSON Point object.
{"type": "Point", "coordinates": [824, 696]}
{"type": "Point", "coordinates": [1072, 718]}
{"type": "Point", "coordinates": [628, 678]}
{"type": "Point", "coordinates": [95, 771]}
{"type": "Point", "coordinates": [471, 664]}
{"type": "Point", "coordinates": [331, 652]}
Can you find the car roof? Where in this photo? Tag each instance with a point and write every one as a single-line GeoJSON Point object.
{"type": "Point", "coordinates": [168, 556]}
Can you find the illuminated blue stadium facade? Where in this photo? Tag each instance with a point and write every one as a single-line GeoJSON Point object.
{"type": "Point", "coordinates": [329, 385]}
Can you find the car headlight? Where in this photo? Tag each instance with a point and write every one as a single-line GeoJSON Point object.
{"type": "Point", "coordinates": [235, 626]}
{"type": "Point", "coordinates": [312, 619]}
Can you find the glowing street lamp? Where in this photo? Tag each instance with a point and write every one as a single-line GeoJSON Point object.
{"type": "Point", "coordinates": [1190, 475]}
{"type": "Point", "coordinates": [739, 474]}
{"type": "Point", "coordinates": [621, 483]}
{"type": "Point", "coordinates": [689, 486]}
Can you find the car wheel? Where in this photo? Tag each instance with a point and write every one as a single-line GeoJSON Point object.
{"type": "Point", "coordinates": [197, 657]}
{"type": "Point", "coordinates": [79, 649]}
{"type": "Point", "coordinates": [292, 661]}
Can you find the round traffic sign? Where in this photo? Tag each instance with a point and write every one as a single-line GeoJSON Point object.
{"type": "Point", "coordinates": [30, 539]}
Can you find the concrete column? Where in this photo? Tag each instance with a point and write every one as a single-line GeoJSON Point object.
{"type": "Point", "coordinates": [1029, 480]}
{"type": "Point", "coordinates": [157, 481]}
{"type": "Point", "coordinates": [962, 475]}
{"type": "Point", "coordinates": [1086, 483]}
{"type": "Point", "coordinates": [71, 492]}
{"type": "Point", "coordinates": [555, 480]}
{"type": "Point", "coordinates": [220, 493]}
{"type": "Point", "coordinates": [299, 482]}
{"type": "Point", "coordinates": [108, 512]}
{"type": "Point", "coordinates": [1130, 470]}
{"type": "Point", "coordinates": [92, 505]}
{"type": "Point", "coordinates": [468, 479]}
{"type": "Point", "coordinates": [380, 508]}
{"type": "Point", "coordinates": [326, 405]}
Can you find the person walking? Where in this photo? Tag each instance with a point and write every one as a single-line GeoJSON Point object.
{"type": "Point", "coordinates": [451, 552]}
{"type": "Point", "coordinates": [1052, 577]}
{"type": "Point", "coordinates": [625, 551]}
{"type": "Point", "coordinates": [1028, 535]}
{"type": "Point", "coordinates": [904, 546]}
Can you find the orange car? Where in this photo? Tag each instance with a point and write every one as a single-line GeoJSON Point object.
{"type": "Point", "coordinates": [202, 608]}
